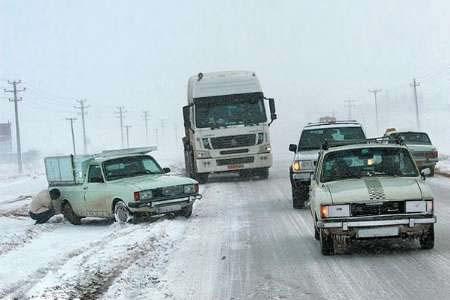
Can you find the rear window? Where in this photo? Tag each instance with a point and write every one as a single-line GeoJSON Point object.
{"type": "Point", "coordinates": [413, 137]}
{"type": "Point", "coordinates": [312, 139]}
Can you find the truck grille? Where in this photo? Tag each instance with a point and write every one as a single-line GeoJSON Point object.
{"type": "Point", "coordinates": [385, 208]}
{"type": "Point", "coordinates": [235, 161]}
{"type": "Point", "coordinates": [233, 141]}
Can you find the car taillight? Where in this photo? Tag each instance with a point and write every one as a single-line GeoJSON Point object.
{"type": "Point", "coordinates": [137, 196]}
{"type": "Point", "coordinates": [196, 188]}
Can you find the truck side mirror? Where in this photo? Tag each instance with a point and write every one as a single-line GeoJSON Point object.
{"type": "Point", "coordinates": [293, 148]}
{"type": "Point", "coordinates": [273, 115]}
{"type": "Point", "coordinates": [187, 117]}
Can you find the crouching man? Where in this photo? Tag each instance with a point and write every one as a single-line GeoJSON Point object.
{"type": "Point", "coordinates": [42, 207]}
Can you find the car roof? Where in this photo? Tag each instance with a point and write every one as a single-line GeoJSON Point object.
{"type": "Point", "coordinates": [102, 159]}
{"type": "Point", "coordinates": [336, 124]}
{"type": "Point", "coordinates": [364, 146]}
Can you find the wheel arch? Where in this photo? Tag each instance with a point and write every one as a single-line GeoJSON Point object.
{"type": "Point", "coordinates": [114, 202]}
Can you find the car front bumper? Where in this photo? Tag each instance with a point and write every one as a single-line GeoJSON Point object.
{"type": "Point", "coordinates": [411, 222]}
{"type": "Point", "coordinates": [162, 206]}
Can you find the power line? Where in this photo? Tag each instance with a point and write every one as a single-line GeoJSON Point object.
{"type": "Point", "coordinates": [375, 92]}
{"type": "Point", "coordinates": [414, 85]}
{"type": "Point", "coordinates": [73, 135]}
{"type": "Point", "coordinates": [83, 112]}
{"type": "Point", "coordinates": [14, 91]}
{"type": "Point", "coordinates": [120, 114]}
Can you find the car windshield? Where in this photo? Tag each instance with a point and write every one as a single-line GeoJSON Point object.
{"type": "Point", "coordinates": [312, 139]}
{"type": "Point", "coordinates": [414, 137]}
{"type": "Point", "coordinates": [362, 162]}
{"type": "Point", "coordinates": [130, 166]}
{"type": "Point", "coordinates": [223, 111]}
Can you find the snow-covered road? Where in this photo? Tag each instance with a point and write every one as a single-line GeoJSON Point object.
{"type": "Point", "coordinates": [244, 241]}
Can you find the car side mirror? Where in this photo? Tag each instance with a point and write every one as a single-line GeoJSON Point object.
{"type": "Point", "coordinates": [166, 170]}
{"type": "Point", "coordinates": [293, 148]}
{"type": "Point", "coordinates": [425, 172]}
{"type": "Point", "coordinates": [187, 117]}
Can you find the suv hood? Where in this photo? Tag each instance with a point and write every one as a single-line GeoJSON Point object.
{"type": "Point", "coordinates": [375, 189]}
{"type": "Point", "coordinates": [148, 182]}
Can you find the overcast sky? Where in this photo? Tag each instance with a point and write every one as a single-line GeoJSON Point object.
{"type": "Point", "coordinates": [309, 55]}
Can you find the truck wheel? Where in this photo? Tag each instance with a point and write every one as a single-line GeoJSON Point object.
{"type": "Point", "coordinates": [70, 215]}
{"type": "Point", "coordinates": [121, 213]}
{"type": "Point", "coordinates": [326, 243]}
{"type": "Point", "coordinates": [201, 177]}
{"type": "Point", "coordinates": [427, 239]}
{"type": "Point", "coordinates": [187, 211]}
{"type": "Point", "coordinates": [300, 195]}
{"type": "Point", "coordinates": [263, 173]}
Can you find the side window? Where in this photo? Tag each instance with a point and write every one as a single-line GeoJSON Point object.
{"type": "Point", "coordinates": [95, 174]}
{"type": "Point", "coordinates": [151, 166]}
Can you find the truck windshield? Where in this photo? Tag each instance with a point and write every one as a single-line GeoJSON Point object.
{"type": "Point", "coordinates": [312, 139]}
{"type": "Point", "coordinates": [413, 137]}
{"type": "Point", "coordinates": [223, 111]}
{"type": "Point", "coordinates": [356, 163]}
{"type": "Point", "coordinates": [130, 166]}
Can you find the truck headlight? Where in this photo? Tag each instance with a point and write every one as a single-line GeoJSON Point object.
{"type": "Point", "coordinates": [418, 206]}
{"type": "Point", "coordinates": [265, 149]}
{"type": "Point", "coordinates": [202, 154]}
{"type": "Point", "coordinates": [191, 189]}
{"type": "Point", "coordinates": [334, 211]}
{"type": "Point", "coordinates": [145, 195]}
{"type": "Point", "coordinates": [260, 138]}
{"type": "Point", "coordinates": [206, 143]}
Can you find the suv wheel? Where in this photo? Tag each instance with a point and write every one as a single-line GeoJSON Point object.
{"type": "Point", "coordinates": [427, 239]}
{"type": "Point", "coordinates": [300, 195]}
{"type": "Point", "coordinates": [326, 243]}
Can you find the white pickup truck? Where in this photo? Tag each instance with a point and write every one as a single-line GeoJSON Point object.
{"type": "Point", "coordinates": [121, 184]}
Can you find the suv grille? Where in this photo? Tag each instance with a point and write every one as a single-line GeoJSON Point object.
{"type": "Point", "coordinates": [385, 208]}
{"type": "Point", "coordinates": [233, 141]}
{"type": "Point", "coordinates": [235, 161]}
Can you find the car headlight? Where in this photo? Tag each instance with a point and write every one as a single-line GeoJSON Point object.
{"type": "Point", "coordinates": [299, 165]}
{"type": "Point", "coordinates": [260, 138]}
{"type": "Point", "coordinates": [191, 189]}
{"type": "Point", "coordinates": [334, 211]}
{"type": "Point", "coordinates": [145, 195]}
{"type": "Point", "coordinates": [418, 206]}
{"type": "Point", "coordinates": [202, 154]}
{"type": "Point", "coordinates": [206, 143]}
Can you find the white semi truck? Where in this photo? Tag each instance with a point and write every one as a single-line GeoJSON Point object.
{"type": "Point", "coordinates": [226, 125]}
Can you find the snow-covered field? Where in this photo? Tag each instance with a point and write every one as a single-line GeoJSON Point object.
{"type": "Point", "coordinates": [244, 241]}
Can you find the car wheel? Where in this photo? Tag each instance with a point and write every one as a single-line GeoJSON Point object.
{"type": "Point", "coordinates": [70, 215]}
{"type": "Point", "coordinates": [427, 239]}
{"type": "Point", "coordinates": [121, 213]}
{"type": "Point", "coordinates": [326, 243]}
{"type": "Point", "coordinates": [300, 195]}
{"type": "Point", "coordinates": [187, 211]}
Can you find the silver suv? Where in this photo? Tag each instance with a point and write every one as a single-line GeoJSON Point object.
{"type": "Point", "coordinates": [306, 152]}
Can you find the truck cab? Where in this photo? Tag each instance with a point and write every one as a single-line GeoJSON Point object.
{"type": "Point", "coordinates": [226, 125]}
{"type": "Point", "coordinates": [306, 152]}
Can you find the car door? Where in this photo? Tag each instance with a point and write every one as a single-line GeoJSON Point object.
{"type": "Point", "coordinates": [95, 192]}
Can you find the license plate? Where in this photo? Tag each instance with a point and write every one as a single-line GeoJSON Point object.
{"type": "Point", "coordinates": [169, 208]}
{"type": "Point", "coordinates": [234, 167]}
{"type": "Point", "coordinates": [378, 232]}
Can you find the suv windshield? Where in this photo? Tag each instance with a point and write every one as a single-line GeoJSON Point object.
{"type": "Point", "coordinates": [130, 167]}
{"type": "Point", "coordinates": [413, 137]}
{"type": "Point", "coordinates": [312, 139]}
{"type": "Point", "coordinates": [356, 163]}
{"type": "Point", "coordinates": [222, 111]}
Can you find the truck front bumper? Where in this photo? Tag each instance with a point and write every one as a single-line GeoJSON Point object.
{"type": "Point", "coordinates": [162, 206]}
{"type": "Point", "coordinates": [234, 163]}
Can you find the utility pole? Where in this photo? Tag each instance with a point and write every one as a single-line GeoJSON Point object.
{"type": "Point", "coordinates": [375, 92]}
{"type": "Point", "coordinates": [128, 135]}
{"type": "Point", "coordinates": [350, 103]}
{"type": "Point", "coordinates": [83, 112]}
{"type": "Point", "coordinates": [73, 135]}
{"type": "Point", "coordinates": [121, 111]}
{"type": "Point", "coordinates": [146, 118]}
{"type": "Point", "coordinates": [414, 85]}
{"type": "Point", "coordinates": [15, 99]}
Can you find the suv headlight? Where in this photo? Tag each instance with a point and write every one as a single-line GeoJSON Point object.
{"type": "Point", "coordinates": [145, 195]}
{"type": "Point", "coordinates": [299, 165]}
{"type": "Point", "coordinates": [334, 211]}
{"type": "Point", "coordinates": [419, 206]}
{"type": "Point", "coordinates": [202, 154]}
{"type": "Point", "coordinates": [191, 189]}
